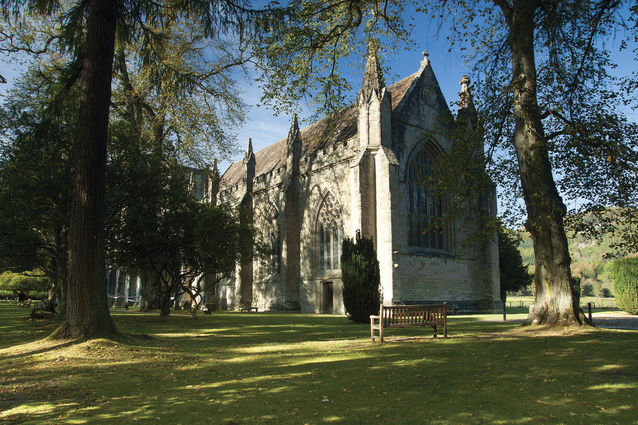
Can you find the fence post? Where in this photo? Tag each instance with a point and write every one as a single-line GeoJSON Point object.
{"type": "Point", "coordinates": [504, 312]}
{"type": "Point", "coordinates": [589, 313]}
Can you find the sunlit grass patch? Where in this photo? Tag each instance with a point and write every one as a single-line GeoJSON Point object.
{"type": "Point", "coordinates": [614, 387]}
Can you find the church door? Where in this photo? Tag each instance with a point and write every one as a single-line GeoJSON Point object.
{"type": "Point", "coordinates": [326, 298]}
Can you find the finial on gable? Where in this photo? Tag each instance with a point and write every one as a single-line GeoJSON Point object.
{"type": "Point", "coordinates": [426, 59]}
{"type": "Point", "coordinates": [373, 75]}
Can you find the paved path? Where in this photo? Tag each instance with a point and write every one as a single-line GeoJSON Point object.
{"type": "Point", "coordinates": [615, 320]}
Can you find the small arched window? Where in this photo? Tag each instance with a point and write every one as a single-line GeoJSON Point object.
{"type": "Point", "coordinates": [330, 234]}
{"type": "Point", "coordinates": [426, 228]}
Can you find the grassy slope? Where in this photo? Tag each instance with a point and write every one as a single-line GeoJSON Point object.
{"type": "Point", "coordinates": [232, 368]}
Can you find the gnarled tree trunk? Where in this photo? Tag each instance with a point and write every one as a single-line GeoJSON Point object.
{"type": "Point", "coordinates": [554, 301]}
{"type": "Point", "coordinates": [87, 313]}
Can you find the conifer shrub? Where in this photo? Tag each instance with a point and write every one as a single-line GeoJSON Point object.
{"type": "Point", "coordinates": [624, 273]}
{"type": "Point", "coordinates": [360, 276]}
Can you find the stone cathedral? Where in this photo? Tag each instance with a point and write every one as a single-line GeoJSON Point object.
{"type": "Point", "coordinates": [361, 170]}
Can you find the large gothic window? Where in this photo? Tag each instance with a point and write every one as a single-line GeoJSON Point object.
{"type": "Point", "coordinates": [330, 234]}
{"type": "Point", "coordinates": [426, 227]}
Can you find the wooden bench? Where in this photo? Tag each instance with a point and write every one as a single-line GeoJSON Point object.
{"type": "Point", "coordinates": [248, 309]}
{"type": "Point", "coordinates": [403, 316]}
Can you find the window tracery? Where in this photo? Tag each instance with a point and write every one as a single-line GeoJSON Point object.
{"type": "Point", "coordinates": [329, 233]}
{"type": "Point", "coordinates": [426, 227]}
{"type": "Point", "coordinates": [271, 240]}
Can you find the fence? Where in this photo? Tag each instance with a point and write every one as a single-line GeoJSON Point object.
{"type": "Point", "coordinates": [597, 303]}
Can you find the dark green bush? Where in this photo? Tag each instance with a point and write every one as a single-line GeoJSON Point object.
{"type": "Point", "coordinates": [513, 272]}
{"type": "Point", "coordinates": [587, 290]}
{"type": "Point", "coordinates": [360, 276]}
{"type": "Point", "coordinates": [624, 273]}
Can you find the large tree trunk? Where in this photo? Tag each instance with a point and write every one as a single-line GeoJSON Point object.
{"type": "Point", "coordinates": [553, 302]}
{"type": "Point", "coordinates": [87, 313]}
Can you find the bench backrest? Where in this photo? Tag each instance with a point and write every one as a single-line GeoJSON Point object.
{"type": "Point", "coordinates": [413, 314]}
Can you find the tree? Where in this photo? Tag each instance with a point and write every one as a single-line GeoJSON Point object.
{"type": "Point", "coordinates": [360, 277]}
{"type": "Point", "coordinates": [513, 272]}
{"type": "Point", "coordinates": [543, 72]}
{"type": "Point", "coordinates": [211, 247]}
{"type": "Point", "coordinates": [89, 28]}
{"type": "Point", "coordinates": [35, 175]}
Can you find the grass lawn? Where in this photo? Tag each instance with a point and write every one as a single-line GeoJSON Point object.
{"type": "Point", "coordinates": [232, 368]}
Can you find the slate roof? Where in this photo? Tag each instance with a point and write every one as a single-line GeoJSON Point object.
{"type": "Point", "coordinates": [315, 137]}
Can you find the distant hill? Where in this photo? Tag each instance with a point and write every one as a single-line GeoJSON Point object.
{"type": "Point", "coordinates": [588, 261]}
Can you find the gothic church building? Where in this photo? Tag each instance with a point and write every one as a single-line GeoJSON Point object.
{"type": "Point", "coordinates": [364, 169]}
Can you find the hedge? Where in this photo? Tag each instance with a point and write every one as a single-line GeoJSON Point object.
{"type": "Point", "coordinates": [624, 273]}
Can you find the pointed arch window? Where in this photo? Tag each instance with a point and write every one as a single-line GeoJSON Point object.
{"type": "Point", "coordinates": [271, 240]}
{"type": "Point", "coordinates": [330, 234]}
{"type": "Point", "coordinates": [426, 226]}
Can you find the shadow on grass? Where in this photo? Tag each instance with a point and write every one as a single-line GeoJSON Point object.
{"type": "Point", "coordinates": [234, 368]}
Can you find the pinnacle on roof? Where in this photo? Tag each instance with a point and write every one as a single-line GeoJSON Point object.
{"type": "Point", "coordinates": [214, 168]}
{"type": "Point", "coordinates": [249, 147]}
{"type": "Point", "coordinates": [465, 97]}
{"type": "Point", "coordinates": [373, 75]}
{"type": "Point", "coordinates": [294, 135]}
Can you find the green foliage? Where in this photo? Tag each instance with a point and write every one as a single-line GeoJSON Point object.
{"type": "Point", "coordinates": [513, 271]}
{"type": "Point", "coordinates": [360, 277]}
{"type": "Point", "coordinates": [36, 133]}
{"type": "Point", "coordinates": [625, 275]}
{"type": "Point", "coordinates": [17, 282]}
